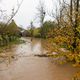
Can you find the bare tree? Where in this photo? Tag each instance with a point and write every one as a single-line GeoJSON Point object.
{"type": "Point", "coordinates": [76, 24]}
{"type": "Point", "coordinates": [31, 24]}
{"type": "Point", "coordinates": [41, 14]}
{"type": "Point", "coordinates": [59, 11]}
{"type": "Point", "coordinates": [12, 15]}
{"type": "Point", "coordinates": [71, 9]}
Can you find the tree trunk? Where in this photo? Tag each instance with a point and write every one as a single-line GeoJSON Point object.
{"type": "Point", "coordinates": [71, 9]}
{"type": "Point", "coordinates": [75, 44]}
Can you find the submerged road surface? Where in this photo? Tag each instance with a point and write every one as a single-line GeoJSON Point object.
{"type": "Point", "coordinates": [29, 67]}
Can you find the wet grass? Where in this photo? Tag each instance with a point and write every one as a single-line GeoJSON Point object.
{"type": "Point", "coordinates": [10, 45]}
{"type": "Point", "coordinates": [6, 48]}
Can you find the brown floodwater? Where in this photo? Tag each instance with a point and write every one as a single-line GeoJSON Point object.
{"type": "Point", "coordinates": [26, 66]}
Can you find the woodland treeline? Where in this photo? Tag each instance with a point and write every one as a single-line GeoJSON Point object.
{"type": "Point", "coordinates": [64, 30]}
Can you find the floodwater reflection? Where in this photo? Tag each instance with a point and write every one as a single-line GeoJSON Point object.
{"type": "Point", "coordinates": [29, 67]}
{"type": "Point", "coordinates": [30, 47]}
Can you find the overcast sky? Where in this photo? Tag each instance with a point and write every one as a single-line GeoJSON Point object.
{"type": "Point", "coordinates": [27, 11]}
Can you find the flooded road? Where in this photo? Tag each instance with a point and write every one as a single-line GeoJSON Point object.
{"type": "Point", "coordinates": [28, 67]}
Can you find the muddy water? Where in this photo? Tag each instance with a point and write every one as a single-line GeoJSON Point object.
{"type": "Point", "coordinates": [28, 67]}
